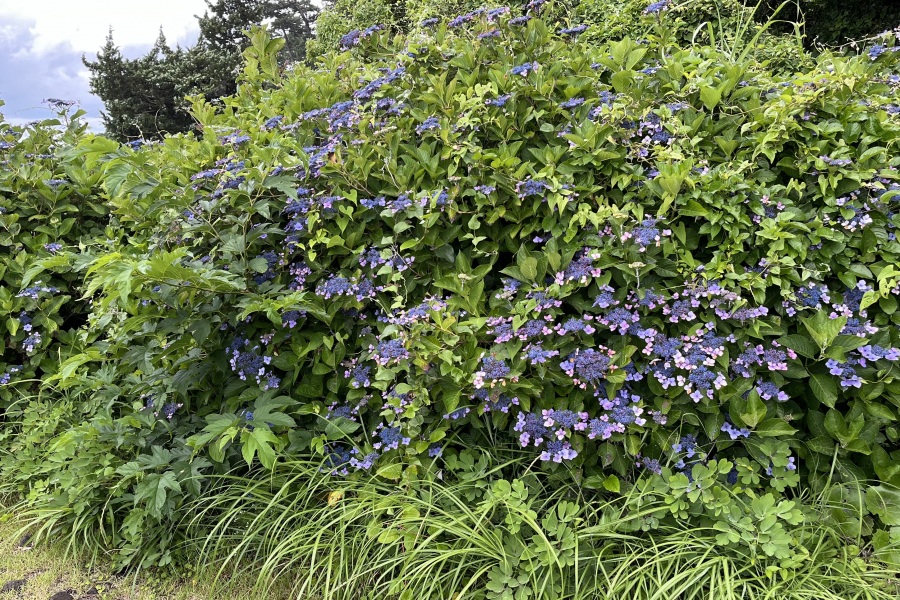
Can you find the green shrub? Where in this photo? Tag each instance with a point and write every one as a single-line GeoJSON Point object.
{"type": "Point", "coordinates": [342, 16]}
{"type": "Point", "coordinates": [50, 205]}
{"type": "Point", "coordinates": [654, 269]}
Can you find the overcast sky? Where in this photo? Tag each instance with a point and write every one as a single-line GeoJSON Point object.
{"type": "Point", "coordinates": [41, 43]}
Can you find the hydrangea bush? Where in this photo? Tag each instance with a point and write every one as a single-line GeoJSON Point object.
{"type": "Point", "coordinates": [50, 205]}
{"type": "Point", "coordinates": [631, 259]}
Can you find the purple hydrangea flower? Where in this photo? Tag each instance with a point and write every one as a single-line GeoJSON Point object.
{"type": "Point", "coordinates": [428, 124]}
{"type": "Point", "coordinates": [492, 370]}
{"type": "Point", "coordinates": [558, 451]}
{"type": "Point", "coordinates": [735, 433]}
{"type": "Point", "coordinates": [389, 351]}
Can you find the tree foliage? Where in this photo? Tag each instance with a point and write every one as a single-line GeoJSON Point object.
{"type": "Point", "coordinates": [146, 97]}
{"type": "Point", "coordinates": [225, 22]}
{"type": "Point", "coordinates": [833, 22]}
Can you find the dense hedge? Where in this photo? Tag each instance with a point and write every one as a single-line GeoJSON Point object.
{"type": "Point", "coordinates": [640, 258]}
{"type": "Point", "coordinates": [50, 206]}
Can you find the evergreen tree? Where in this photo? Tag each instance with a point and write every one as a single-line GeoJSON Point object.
{"type": "Point", "coordinates": [222, 25]}
{"type": "Point", "coordinates": [145, 97]}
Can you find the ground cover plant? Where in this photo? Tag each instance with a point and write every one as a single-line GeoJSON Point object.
{"type": "Point", "coordinates": [633, 303]}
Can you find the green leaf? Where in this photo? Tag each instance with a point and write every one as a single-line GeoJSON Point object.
{"type": "Point", "coordinates": [154, 489]}
{"type": "Point", "coordinates": [340, 428]}
{"type": "Point", "coordinates": [267, 410]}
{"type": "Point", "coordinates": [800, 344]}
{"type": "Point", "coordinates": [754, 411]}
{"type": "Point", "coordinates": [885, 503]}
{"type": "Point", "coordinates": [824, 388]}
{"type": "Point", "coordinates": [392, 471]}
{"type": "Point", "coordinates": [868, 299]}
{"type": "Point", "coordinates": [259, 265]}
{"type": "Point", "coordinates": [710, 97]}
{"type": "Point", "coordinates": [823, 329]}
{"type": "Point", "coordinates": [261, 442]}
{"type": "Point", "coordinates": [773, 427]}
{"type": "Point", "coordinates": [612, 484]}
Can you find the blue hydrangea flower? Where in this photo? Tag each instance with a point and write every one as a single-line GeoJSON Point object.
{"type": "Point", "coordinates": [500, 404]}
{"type": "Point", "coordinates": [389, 351]}
{"type": "Point", "coordinates": [767, 390]}
{"type": "Point", "coordinates": [459, 413]}
{"type": "Point", "coordinates": [687, 444]}
{"type": "Point", "coordinates": [524, 69]}
{"type": "Point", "coordinates": [428, 124]}
{"type": "Point", "coordinates": [558, 451]}
{"type": "Point", "coordinates": [492, 370]}
{"type": "Point", "coordinates": [657, 7]}
{"type": "Point", "coordinates": [365, 463]}
{"type": "Point", "coordinates": [31, 343]}
{"type": "Point", "coordinates": [573, 31]}
{"type": "Point", "coordinates": [531, 187]}
{"type": "Point", "coordinates": [273, 122]}
{"type": "Point", "coordinates": [531, 429]}
{"type": "Point", "coordinates": [587, 366]}
{"type": "Point", "coordinates": [390, 438]}
{"type": "Point", "coordinates": [572, 103]}
{"type": "Point", "coordinates": [735, 433]}
{"type": "Point", "coordinates": [499, 102]}
{"type": "Point", "coordinates": [537, 355]}
{"type": "Point", "coordinates": [491, 33]}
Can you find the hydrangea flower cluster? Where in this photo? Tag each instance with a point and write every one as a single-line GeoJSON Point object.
{"type": "Point", "coordinates": [248, 363]}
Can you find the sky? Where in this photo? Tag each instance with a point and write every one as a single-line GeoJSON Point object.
{"type": "Point", "coordinates": [42, 41]}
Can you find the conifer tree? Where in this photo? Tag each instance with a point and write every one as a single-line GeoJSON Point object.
{"type": "Point", "coordinates": [145, 97]}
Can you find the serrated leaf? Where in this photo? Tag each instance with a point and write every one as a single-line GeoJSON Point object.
{"type": "Point", "coordinates": [612, 484]}
{"type": "Point", "coordinates": [392, 471]}
{"type": "Point", "coordinates": [710, 97]}
{"type": "Point", "coordinates": [824, 388]}
{"type": "Point", "coordinates": [885, 503]}
{"type": "Point", "coordinates": [340, 428]}
{"type": "Point", "coordinates": [800, 344]}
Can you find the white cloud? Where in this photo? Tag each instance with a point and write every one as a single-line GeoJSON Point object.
{"type": "Point", "coordinates": [83, 24]}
